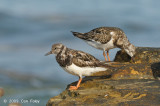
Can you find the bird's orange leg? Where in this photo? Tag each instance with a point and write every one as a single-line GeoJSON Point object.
{"type": "Point", "coordinates": [108, 55]}
{"type": "Point", "coordinates": [104, 55]}
{"type": "Point", "coordinates": [77, 86]}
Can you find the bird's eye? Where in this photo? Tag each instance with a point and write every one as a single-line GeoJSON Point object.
{"type": "Point", "coordinates": [55, 48]}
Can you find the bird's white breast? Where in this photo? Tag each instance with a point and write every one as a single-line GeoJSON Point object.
{"type": "Point", "coordinates": [98, 45]}
{"type": "Point", "coordinates": [82, 71]}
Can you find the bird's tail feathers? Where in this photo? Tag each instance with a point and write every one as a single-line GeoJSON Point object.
{"type": "Point", "coordinates": [79, 35]}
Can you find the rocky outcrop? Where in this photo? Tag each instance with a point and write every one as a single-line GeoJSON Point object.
{"type": "Point", "coordinates": [103, 92]}
{"type": "Point", "coordinates": [147, 58]}
{"type": "Point", "coordinates": [131, 82]}
{"type": "Point", "coordinates": [144, 55]}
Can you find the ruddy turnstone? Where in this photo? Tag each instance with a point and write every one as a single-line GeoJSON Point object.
{"type": "Point", "coordinates": [76, 62]}
{"type": "Point", "coordinates": [106, 38]}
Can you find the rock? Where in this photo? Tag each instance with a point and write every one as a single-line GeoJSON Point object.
{"type": "Point", "coordinates": [147, 58]}
{"type": "Point", "coordinates": [1, 92]}
{"type": "Point", "coordinates": [145, 55]}
{"type": "Point", "coordinates": [131, 81]}
{"type": "Point", "coordinates": [156, 70]}
{"type": "Point", "coordinates": [128, 71]}
{"type": "Point", "coordinates": [14, 104]}
{"type": "Point", "coordinates": [111, 92]}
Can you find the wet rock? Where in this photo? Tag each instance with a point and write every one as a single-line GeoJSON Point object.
{"type": "Point", "coordinates": [1, 92]}
{"type": "Point", "coordinates": [131, 81]}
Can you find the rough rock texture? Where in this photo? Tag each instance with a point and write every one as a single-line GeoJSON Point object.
{"type": "Point", "coordinates": [128, 71]}
{"type": "Point", "coordinates": [144, 55]}
{"type": "Point", "coordinates": [111, 92]}
{"type": "Point", "coordinates": [131, 82]}
{"type": "Point", "coordinates": [148, 58]}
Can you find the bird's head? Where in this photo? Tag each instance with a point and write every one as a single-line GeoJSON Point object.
{"type": "Point", "coordinates": [56, 48]}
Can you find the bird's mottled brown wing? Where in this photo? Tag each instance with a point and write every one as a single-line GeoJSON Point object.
{"type": "Point", "coordinates": [102, 34]}
{"type": "Point", "coordinates": [84, 59]}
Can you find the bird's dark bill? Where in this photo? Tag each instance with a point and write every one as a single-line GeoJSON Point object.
{"type": "Point", "coordinates": [48, 53]}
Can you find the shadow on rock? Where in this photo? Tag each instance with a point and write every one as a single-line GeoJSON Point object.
{"type": "Point", "coordinates": [156, 69]}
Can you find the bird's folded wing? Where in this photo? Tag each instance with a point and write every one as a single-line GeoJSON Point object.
{"type": "Point", "coordinates": [84, 59]}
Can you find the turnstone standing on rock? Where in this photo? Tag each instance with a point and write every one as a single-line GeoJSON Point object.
{"type": "Point", "coordinates": [106, 38]}
{"type": "Point", "coordinates": [76, 62]}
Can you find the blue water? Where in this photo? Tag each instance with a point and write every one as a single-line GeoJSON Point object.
{"type": "Point", "coordinates": [28, 28]}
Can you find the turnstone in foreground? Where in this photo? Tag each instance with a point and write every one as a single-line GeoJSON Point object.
{"type": "Point", "coordinates": [106, 38]}
{"type": "Point", "coordinates": [76, 62]}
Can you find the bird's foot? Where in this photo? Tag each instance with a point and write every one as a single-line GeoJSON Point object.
{"type": "Point", "coordinates": [73, 88]}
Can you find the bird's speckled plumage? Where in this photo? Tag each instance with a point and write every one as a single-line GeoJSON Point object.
{"type": "Point", "coordinates": [106, 38]}
{"type": "Point", "coordinates": [66, 57]}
